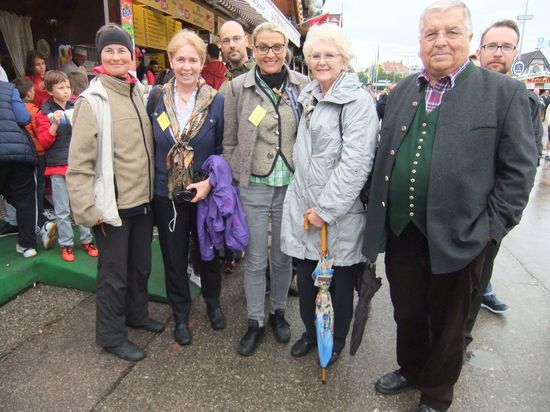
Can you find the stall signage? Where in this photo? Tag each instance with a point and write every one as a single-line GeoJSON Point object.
{"type": "Point", "coordinates": [195, 14]}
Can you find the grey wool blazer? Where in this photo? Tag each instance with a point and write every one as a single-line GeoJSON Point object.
{"type": "Point", "coordinates": [483, 166]}
{"type": "Point", "coordinates": [239, 134]}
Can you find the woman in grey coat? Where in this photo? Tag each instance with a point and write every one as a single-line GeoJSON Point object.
{"type": "Point", "coordinates": [260, 120]}
{"type": "Point", "coordinates": [333, 156]}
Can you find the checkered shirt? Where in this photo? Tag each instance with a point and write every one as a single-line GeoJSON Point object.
{"type": "Point", "coordinates": [434, 93]}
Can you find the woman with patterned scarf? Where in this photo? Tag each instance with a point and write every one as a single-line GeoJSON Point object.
{"type": "Point", "coordinates": [187, 121]}
{"type": "Point", "coordinates": [261, 120]}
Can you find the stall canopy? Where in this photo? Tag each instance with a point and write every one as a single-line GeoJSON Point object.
{"type": "Point", "coordinates": [254, 12]}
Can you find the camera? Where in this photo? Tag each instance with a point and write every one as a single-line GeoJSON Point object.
{"type": "Point", "coordinates": [185, 195]}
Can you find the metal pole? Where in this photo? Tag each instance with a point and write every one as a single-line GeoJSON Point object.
{"type": "Point", "coordinates": [106, 11]}
{"type": "Point", "coordinates": [523, 28]}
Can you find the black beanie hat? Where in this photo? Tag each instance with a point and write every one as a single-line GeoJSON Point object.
{"type": "Point", "coordinates": [114, 35]}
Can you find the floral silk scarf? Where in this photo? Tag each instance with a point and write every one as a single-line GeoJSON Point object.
{"type": "Point", "coordinates": [180, 157]}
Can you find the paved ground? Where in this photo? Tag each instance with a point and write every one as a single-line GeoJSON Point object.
{"type": "Point", "coordinates": [49, 362]}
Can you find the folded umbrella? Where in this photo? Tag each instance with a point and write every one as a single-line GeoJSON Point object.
{"type": "Point", "coordinates": [367, 285]}
{"type": "Point", "coordinates": [324, 312]}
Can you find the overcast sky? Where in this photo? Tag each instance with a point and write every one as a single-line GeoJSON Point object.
{"type": "Point", "coordinates": [393, 25]}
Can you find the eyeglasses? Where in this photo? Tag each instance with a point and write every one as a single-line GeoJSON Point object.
{"type": "Point", "coordinates": [329, 57]}
{"type": "Point", "coordinates": [235, 39]}
{"type": "Point", "coordinates": [493, 47]}
{"type": "Point", "coordinates": [431, 35]}
{"type": "Point", "coordinates": [276, 48]}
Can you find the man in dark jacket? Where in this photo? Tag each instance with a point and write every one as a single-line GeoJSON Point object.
{"type": "Point", "coordinates": [497, 51]}
{"type": "Point", "coordinates": [233, 46]}
{"type": "Point", "coordinates": [18, 160]}
{"type": "Point", "coordinates": [452, 175]}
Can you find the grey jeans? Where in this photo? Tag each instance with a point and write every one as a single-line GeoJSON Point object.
{"type": "Point", "coordinates": [260, 202]}
{"type": "Point", "coordinates": [62, 209]}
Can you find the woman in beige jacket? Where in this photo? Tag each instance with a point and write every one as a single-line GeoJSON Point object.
{"type": "Point", "coordinates": [113, 196]}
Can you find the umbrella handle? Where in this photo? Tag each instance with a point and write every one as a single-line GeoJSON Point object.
{"type": "Point", "coordinates": [324, 250]}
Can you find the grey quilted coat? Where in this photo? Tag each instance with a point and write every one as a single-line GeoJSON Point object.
{"type": "Point", "coordinates": [330, 170]}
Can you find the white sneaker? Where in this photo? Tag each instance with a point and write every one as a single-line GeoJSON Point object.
{"type": "Point", "coordinates": [47, 233]}
{"type": "Point", "coordinates": [26, 252]}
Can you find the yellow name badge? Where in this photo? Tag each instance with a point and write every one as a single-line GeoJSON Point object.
{"type": "Point", "coordinates": [257, 115]}
{"type": "Point", "coordinates": [163, 120]}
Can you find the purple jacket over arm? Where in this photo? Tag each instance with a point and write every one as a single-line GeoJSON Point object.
{"type": "Point", "coordinates": [220, 217]}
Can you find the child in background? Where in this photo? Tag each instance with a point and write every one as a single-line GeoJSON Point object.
{"type": "Point", "coordinates": [48, 229]}
{"type": "Point", "coordinates": [79, 83]}
{"type": "Point", "coordinates": [54, 132]}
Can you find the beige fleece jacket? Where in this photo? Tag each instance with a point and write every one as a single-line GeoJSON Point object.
{"type": "Point", "coordinates": [133, 152]}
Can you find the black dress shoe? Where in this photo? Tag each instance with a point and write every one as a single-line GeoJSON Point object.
{"type": "Point", "coordinates": [333, 358]}
{"type": "Point", "coordinates": [425, 408]}
{"type": "Point", "coordinates": [216, 317]}
{"type": "Point", "coordinates": [393, 383]}
{"type": "Point", "coordinates": [301, 347]}
{"type": "Point", "coordinates": [127, 350]}
{"type": "Point", "coordinates": [251, 339]}
{"type": "Point", "coordinates": [148, 324]}
{"type": "Point", "coordinates": [280, 326]}
{"type": "Point", "coordinates": [182, 334]}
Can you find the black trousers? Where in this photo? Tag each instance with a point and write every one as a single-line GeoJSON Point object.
{"type": "Point", "coordinates": [430, 311]}
{"type": "Point", "coordinates": [18, 186]}
{"type": "Point", "coordinates": [491, 254]}
{"type": "Point", "coordinates": [175, 254]}
{"type": "Point", "coordinates": [123, 269]}
{"type": "Point", "coordinates": [341, 291]}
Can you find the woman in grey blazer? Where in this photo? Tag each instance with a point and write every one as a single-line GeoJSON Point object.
{"type": "Point", "coordinates": [261, 117]}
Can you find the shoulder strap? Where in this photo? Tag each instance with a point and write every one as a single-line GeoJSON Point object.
{"type": "Point", "coordinates": [154, 97]}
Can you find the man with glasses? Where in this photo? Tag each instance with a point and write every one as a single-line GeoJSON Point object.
{"type": "Point", "coordinates": [454, 169]}
{"type": "Point", "coordinates": [497, 51]}
{"type": "Point", "coordinates": [233, 46]}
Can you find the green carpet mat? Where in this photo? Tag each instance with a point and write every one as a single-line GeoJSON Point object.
{"type": "Point", "coordinates": [18, 273]}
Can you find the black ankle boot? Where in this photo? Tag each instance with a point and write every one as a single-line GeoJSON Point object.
{"type": "Point", "coordinates": [280, 326]}
{"type": "Point", "coordinates": [182, 334]}
{"type": "Point", "coordinates": [216, 317]}
{"type": "Point", "coordinates": [251, 339]}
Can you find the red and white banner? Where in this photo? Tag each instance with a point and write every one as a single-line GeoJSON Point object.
{"type": "Point", "coordinates": [320, 19]}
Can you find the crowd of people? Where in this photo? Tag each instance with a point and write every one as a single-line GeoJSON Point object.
{"type": "Point", "coordinates": [239, 156]}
